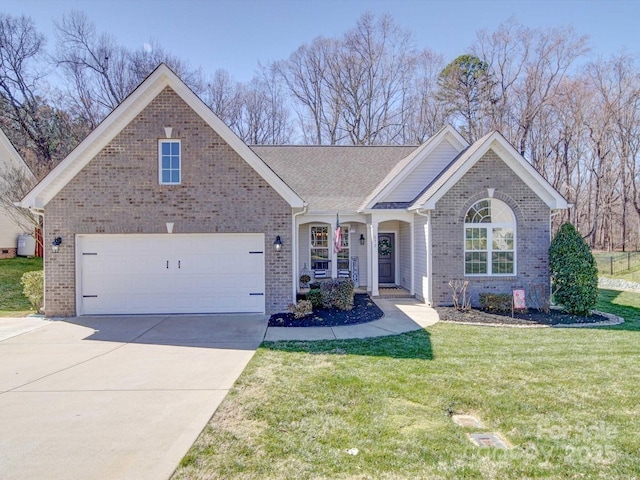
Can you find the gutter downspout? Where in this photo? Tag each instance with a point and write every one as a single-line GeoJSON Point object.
{"type": "Point", "coordinates": [429, 299]}
{"type": "Point", "coordinates": [555, 212]}
{"type": "Point", "coordinates": [39, 212]}
{"type": "Point", "coordinates": [294, 248]}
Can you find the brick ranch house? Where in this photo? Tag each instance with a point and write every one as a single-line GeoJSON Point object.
{"type": "Point", "coordinates": [163, 209]}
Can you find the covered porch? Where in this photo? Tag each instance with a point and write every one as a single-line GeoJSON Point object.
{"type": "Point", "coordinates": [377, 251]}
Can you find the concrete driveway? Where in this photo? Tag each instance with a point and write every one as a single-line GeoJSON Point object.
{"type": "Point", "coordinates": [114, 397]}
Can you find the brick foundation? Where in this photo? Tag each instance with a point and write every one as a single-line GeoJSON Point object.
{"type": "Point", "coordinates": [8, 252]}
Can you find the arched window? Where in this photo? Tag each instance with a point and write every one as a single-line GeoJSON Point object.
{"type": "Point", "coordinates": [490, 239]}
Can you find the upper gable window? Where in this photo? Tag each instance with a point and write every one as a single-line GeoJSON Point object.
{"type": "Point", "coordinates": [170, 162]}
{"type": "Point", "coordinates": [489, 239]}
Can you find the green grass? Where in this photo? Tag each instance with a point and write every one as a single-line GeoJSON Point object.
{"type": "Point", "coordinates": [12, 302]}
{"type": "Point", "coordinates": [565, 399]}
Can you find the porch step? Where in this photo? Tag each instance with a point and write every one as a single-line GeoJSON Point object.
{"type": "Point", "coordinates": [394, 293]}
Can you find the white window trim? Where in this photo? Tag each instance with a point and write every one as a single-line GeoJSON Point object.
{"type": "Point", "coordinates": [346, 227]}
{"type": "Point", "coordinates": [489, 227]}
{"type": "Point", "coordinates": [329, 249]}
{"type": "Point", "coordinates": [160, 142]}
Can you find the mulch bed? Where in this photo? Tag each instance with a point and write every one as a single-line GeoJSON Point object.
{"type": "Point", "coordinates": [529, 318]}
{"type": "Point", "coordinates": [364, 310]}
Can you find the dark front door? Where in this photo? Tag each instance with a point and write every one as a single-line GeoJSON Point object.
{"type": "Point", "coordinates": [386, 258]}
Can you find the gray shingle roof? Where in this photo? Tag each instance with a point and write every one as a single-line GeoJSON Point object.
{"type": "Point", "coordinates": [332, 178]}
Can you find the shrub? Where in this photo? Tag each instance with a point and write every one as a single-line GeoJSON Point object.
{"type": "Point", "coordinates": [33, 288]}
{"type": "Point", "coordinates": [315, 297]}
{"type": "Point", "coordinates": [496, 302]}
{"type": "Point", "coordinates": [337, 293]}
{"type": "Point", "coordinates": [461, 302]}
{"type": "Point", "coordinates": [301, 309]}
{"type": "Point", "coordinates": [539, 297]}
{"type": "Point", "coordinates": [574, 275]}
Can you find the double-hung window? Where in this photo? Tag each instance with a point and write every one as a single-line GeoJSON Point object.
{"type": "Point", "coordinates": [343, 254]}
{"type": "Point", "coordinates": [170, 162]}
{"type": "Point", "coordinates": [319, 247]}
{"type": "Point", "coordinates": [490, 239]}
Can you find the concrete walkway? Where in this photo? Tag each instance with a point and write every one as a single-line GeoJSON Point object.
{"type": "Point", "coordinates": [114, 397]}
{"type": "Point", "coordinates": [401, 315]}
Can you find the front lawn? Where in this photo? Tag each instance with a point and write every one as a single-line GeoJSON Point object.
{"type": "Point", "coordinates": [12, 302]}
{"type": "Point", "coordinates": [565, 399]}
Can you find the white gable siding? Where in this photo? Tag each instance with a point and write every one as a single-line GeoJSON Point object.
{"type": "Point", "coordinates": [9, 231]}
{"type": "Point", "coordinates": [9, 160]}
{"type": "Point", "coordinates": [423, 174]}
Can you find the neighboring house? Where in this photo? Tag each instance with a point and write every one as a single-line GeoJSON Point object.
{"type": "Point", "coordinates": [163, 209]}
{"type": "Point", "coordinates": [10, 160]}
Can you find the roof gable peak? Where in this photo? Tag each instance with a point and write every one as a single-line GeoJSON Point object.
{"type": "Point", "coordinates": [461, 165]}
{"type": "Point", "coordinates": [123, 114]}
{"type": "Point", "coordinates": [406, 166]}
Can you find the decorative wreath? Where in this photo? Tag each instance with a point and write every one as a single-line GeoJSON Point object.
{"type": "Point", "coordinates": [384, 247]}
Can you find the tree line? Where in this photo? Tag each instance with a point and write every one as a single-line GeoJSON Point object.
{"type": "Point", "coordinates": [574, 117]}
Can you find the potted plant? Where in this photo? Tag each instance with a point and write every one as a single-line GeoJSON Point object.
{"type": "Point", "coordinates": [304, 280]}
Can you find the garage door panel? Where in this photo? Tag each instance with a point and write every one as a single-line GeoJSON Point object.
{"type": "Point", "coordinates": [200, 273]}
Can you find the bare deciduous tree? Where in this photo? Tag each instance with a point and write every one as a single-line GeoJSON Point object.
{"type": "Point", "coordinates": [529, 66]}
{"type": "Point", "coordinates": [424, 115]}
{"type": "Point", "coordinates": [34, 127]}
{"type": "Point", "coordinates": [223, 95]}
{"type": "Point", "coordinates": [375, 60]}
{"type": "Point", "coordinates": [307, 75]}
{"type": "Point", "coordinates": [264, 118]}
{"type": "Point", "coordinates": [101, 73]}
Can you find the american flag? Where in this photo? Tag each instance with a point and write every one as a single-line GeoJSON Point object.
{"type": "Point", "coordinates": [337, 236]}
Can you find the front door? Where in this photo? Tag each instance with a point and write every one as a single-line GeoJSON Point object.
{"type": "Point", "coordinates": [386, 258]}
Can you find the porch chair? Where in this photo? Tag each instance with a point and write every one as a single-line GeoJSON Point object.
{"type": "Point", "coordinates": [320, 274]}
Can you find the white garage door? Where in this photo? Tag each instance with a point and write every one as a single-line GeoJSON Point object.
{"type": "Point", "coordinates": [170, 273]}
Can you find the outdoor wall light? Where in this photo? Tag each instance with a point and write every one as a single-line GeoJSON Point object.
{"type": "Point", "coordinates": [55, 245]}
{"type": "Point", "coordinates": [277, 244]}
{"type": "Point", "coordinates": [361, 239]}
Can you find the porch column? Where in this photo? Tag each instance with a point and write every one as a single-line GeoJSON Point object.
{"type": "Point", "coordinates": [373, 251]}
{"type": "Point", "coordinates": [333, 256]}
{"type": "Point", "coordinates": [429, 298]}
{"type": "Point", "coordinates": [412, 229]}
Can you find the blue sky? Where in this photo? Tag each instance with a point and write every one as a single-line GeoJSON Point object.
{"type": "Point", "coordinates": [236, 35]}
